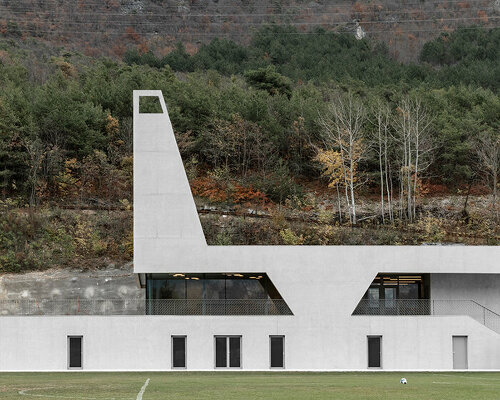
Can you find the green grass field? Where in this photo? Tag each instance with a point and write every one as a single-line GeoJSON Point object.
{"type": "Point", "coordinates": [248, 386]}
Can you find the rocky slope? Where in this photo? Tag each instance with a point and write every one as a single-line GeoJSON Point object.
{"type": "Point", "coordinates": [109, 27]}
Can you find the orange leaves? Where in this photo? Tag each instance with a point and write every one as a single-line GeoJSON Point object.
{"type": "Point", "coordinates": [209, 188]}
{"type": "Point", "coordinates": [118, 50]}
{"type": "Point", "coordinates": [218, 192]}
{"type": "Point", "coordinates": [142, 47]}
{"type": "Point", "coordinates": [423, 188]}
{"type": "Point", "coordinates": [191, 48]}
{"type": "Point", "coordinates": [482, 16]}
{"type": "Point", "coordinates": [132, 34]}
{"type": "Point", "coordinates": [243, 194]}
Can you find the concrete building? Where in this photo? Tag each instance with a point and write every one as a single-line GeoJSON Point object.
{"type": "Point", "coordinates": [267, 307]}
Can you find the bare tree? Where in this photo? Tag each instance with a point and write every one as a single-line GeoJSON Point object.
{"type": "Point", "coordinates": [343, 130]}
{"type": "Point", "coordinates": [412, 132]}
{"type": "Point", "coordinates": [488, 152]}
{"type": "Point", "coordinates": [382, 122]}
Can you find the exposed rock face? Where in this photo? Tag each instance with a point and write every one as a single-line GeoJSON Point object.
{"type": "Point", "coordinates": [496, 5]}
{"type": "Point", "coordinates": [360, 33]}
{"type": "Point", "coordinates": [109, 283]}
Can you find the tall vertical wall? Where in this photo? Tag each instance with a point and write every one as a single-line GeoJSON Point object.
{"type": "Point", "coordinates": [482, 288]}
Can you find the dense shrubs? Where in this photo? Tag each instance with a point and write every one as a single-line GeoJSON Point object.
{"type": "Point", "coordinates": [68, 135]}
{"type": "Point", "coordinates": [58, 238]}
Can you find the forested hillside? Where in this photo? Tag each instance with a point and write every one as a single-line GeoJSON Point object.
{"type": "Point", "coordinates": [110, 27]}
{"type": "Point", "coordinates": [325, 138]}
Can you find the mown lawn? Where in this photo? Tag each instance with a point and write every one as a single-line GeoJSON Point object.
{"type": "Point", "coordinates": [249, 386]}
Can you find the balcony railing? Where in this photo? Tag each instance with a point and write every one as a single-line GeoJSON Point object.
{"type": "Point", "coordinates": [430, 307]}
{"type": "Point", "coordinates": [394, 307]}
{"type": "Point", "coordinates": [145, 307]}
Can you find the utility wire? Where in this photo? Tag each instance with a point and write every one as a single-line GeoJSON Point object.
{"type": "Point", "coordinates": [222, 34]}
{"type": "Point", "coordinates": [15, 3]}
{"type": "Point", "coordinates": [123, 23]}
{"type": "Point", "coordinates": [68, 20]}
{"type": "Point", "coordinates": [205, 14]}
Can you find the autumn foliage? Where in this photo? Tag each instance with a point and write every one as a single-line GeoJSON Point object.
{"type": "Point", "coordinates": [217, 192]}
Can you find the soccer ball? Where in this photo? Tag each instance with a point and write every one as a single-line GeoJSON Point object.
{"type": "Point", "coordinates": [403, 381]}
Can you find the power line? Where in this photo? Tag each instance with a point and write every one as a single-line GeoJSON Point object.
{"type": "Point", "coordinates": [298, 7]}
{"type": "Point", "coordinates": [221, 34]}
{"type": "Point", "coordinates": [319, 23]}
{"type": "Point", "coordinates": [220, 16]}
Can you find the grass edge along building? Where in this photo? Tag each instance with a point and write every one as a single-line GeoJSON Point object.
{"type": "Point", "coordinates": [314, 308]}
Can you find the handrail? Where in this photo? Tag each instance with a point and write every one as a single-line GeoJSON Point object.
{"type": "Point", "coordinates": [144, 307]}
{"type": "Point", "coordinates": [422, 307]}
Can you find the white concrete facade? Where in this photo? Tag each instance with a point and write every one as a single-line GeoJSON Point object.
{"type": "Point", "coordinates": [337, 343]}
{"type": "Point", "coordinates": [482, 288]}
{"type": "Point", "coordinates": [322, 286]}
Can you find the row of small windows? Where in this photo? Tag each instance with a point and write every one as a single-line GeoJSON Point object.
{"type": "Point", "coordinates": [227, 351]}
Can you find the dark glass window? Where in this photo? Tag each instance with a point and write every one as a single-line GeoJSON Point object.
{"type": "Point", "coordinates": [374, 346]}
{"type": "Point", "coordinates": [178, 351]}
{"type": "Point", "coordinates": [75, 351]}
{"type": "Point", "coordinates": [373, 296]}
{"type": "Point", "coordinates": [215, 289]}
{"type": "Point", "coordinates": [386, 288]}
{"type": "Point", "coordinates": [234, 352]}
{"type": "Point", "coordinates": [228, 348]}
{"type": "Point", "coordinates": [221, 352]}
{"type": "Point", "coordinates": [409, 291]}
{"type": "Point", "coordinates": [221, 286]}
{"type": "Point", "coordinates": [390, 296]}
{"type": "Point", "coordinates": [194, 289]}
{"type": "Point", "coordinates": [277, 351]}
{"type": "Point", "coordinates": [169, 289]}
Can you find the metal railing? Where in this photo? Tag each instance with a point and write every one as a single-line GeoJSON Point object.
{"type": "Point", "coordinates": [145, 307]}
{"type": "Point", "coordinates": [406, 307]}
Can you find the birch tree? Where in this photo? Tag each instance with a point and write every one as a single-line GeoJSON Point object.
{"type": "Point", "coordinates": [333, 169]}
{"type": "Point", "coordinates": [382, 122]}
{"type": "Point", "coordinates": [412, 132]}
{"type": "Point", "coordinates": [343, 131]}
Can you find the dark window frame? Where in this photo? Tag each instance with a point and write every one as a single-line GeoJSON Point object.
{"type": "Point", "coordinates": [228, 351]}
{"type": "Point", "coordinates": [368, 337]}
{"type": "Point", "coordinates": [68, 346]}
{"type": "Point", "coordinates": [282, 337]}
{"type": "Point", "coordinates": [183, 280]}
{"type": "Point", "coordinates": [380, 284]}
{"type": "Point", "coordinates": [173, 353]}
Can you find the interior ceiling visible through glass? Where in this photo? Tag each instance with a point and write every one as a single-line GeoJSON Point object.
{"type": "Point", "coordinates": [210, 286]}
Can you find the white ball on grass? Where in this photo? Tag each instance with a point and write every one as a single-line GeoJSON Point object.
{"type": "Point", "coordinates": [403, 381]}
